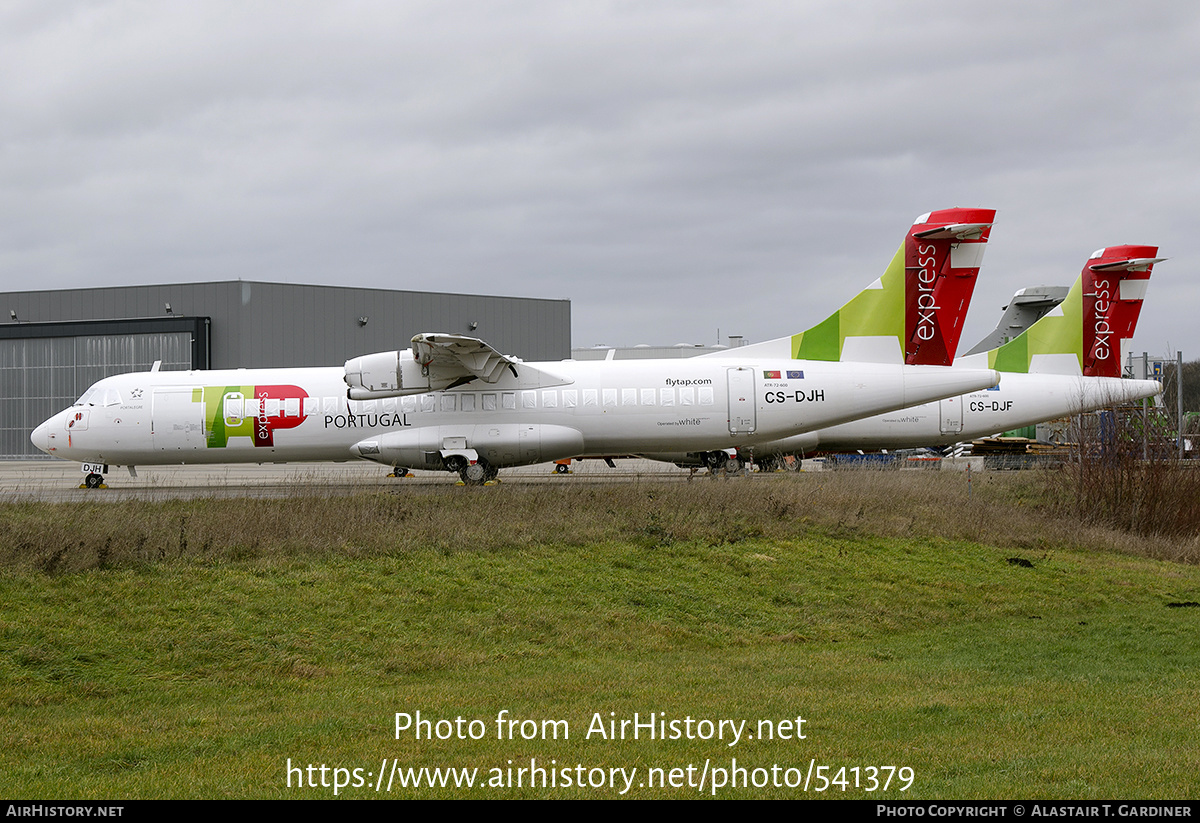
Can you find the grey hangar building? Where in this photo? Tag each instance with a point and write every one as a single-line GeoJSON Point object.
{"type": "Point", "coordinates": [54, 344]}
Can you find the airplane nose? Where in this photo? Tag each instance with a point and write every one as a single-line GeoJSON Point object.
{"type": "Point", "coordinates": [39, 437]}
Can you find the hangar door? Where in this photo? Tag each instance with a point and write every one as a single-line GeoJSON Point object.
{"type": "Point", "coordinates": [42, 375]}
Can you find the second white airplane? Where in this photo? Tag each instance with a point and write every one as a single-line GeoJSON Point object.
{"type": "Point", "coordinates": [1067, 362]}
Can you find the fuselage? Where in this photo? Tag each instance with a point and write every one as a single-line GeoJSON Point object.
{"type": "Point", "coordinates": [1020, 400]}
{"type": "Point", "coordinates": [541, 411]}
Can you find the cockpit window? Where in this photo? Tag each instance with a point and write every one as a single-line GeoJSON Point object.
{"type": "Point", "coordinates": [99, 396]}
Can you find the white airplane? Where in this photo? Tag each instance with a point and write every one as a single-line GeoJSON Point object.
{"type": "Point", "coordinates": [455, 403]}
{"type": "Point", "coordinates": [1067, 362]}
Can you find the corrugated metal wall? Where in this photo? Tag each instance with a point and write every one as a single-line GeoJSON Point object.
{"type": "Point", "coordinates": [267, 325]}
{"type": "Point", "coordinates": [253, 325]}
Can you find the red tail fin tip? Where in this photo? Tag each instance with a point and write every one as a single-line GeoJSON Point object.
{"type": "Point", "coordinates": [942, 254]}
{"type": "Point", "coordinates": [1114, 283]}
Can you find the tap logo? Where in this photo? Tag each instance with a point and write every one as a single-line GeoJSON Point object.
{"type": "Point", "coordinates": [256, 412]}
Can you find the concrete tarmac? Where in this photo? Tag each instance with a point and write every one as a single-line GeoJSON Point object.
{"type": "Point", "coordinates": [59, 481]}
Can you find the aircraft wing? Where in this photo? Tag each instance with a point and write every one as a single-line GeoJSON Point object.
{"type": "Point", "coordinates": [450, 358]}
{"type": "Point", "coordinates": [440, 362]}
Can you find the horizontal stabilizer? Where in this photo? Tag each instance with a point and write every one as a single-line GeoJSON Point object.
{"type": "Point", "coordinates": [1134, 264]}
{"type": "Point", "coordinates": [955, 231]}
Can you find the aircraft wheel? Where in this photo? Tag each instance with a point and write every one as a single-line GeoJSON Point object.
{"type": "Point", "coordinates": [474, 474]}
{"type": "Point", "coordinates": [733, 465]}
{"type": "Point", "coordinates": [561, 468]}
{"type": "Point", "coordinates": [93, 480]}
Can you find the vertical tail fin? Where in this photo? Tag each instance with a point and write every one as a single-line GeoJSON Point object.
{"type": "Point", "coordinates": [1085, 333]}
{"type": "Point", "coordinates": [1114, 285]}
{"type": "Point", "coordinates": [944, 258]}
{"type": "Point", "coordinates": [913, 314]}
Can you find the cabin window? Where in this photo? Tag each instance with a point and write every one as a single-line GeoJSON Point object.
{"type": "Point", "coordinates": [706, 396]}
{"type": "Point", "coordinates": [589, 397]}
{"type": "Point", "coordinates": [333, 405]}
{"type": "Point", "coordinates": [408, 404]}
{"type": "Point", "coordinates": [687, 396]}
{"type": "Point", "coordinates": [569, 398]}
{"type": "Point", "coordinates": [508, 400]}
{"type": "Point", "coordinates": [291, 407]}
{"type": "Point", "coordinates": [310, 406]}
{"type": "Point", "coordinates": [489, 402]}
{"type": "Point", "coordinates": [448, 402]}
{"type": "Point", "coordinates": [648, 397]}
{"type": "Point", "coordinates": [529, 400]}
{"type": "Point", "coordinates": [468, 402]}
{"type": "Point", "coordinates": [428, 403]}
{"type": "Point", "coordinates": [666, 397]}
{"type": "Point", "coordinates": [610, 397]}
{"type": "Point", "coordinates": [550, 399]}
{"type": "Point", "coordinates": [628, 397]}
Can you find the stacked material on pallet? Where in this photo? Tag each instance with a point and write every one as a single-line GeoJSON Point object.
{"type": "Point", "coordinates": [1017, 446]}
{"type": "Point", "coordinates": [1017, 453]}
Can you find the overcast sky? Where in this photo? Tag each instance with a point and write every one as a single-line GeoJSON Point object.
{"type": "Point", "coordinates": [671, 168]}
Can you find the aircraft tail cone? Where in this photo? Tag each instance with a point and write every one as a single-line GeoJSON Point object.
{"type": "Point", "coordinates": [925, 384]}
{"type": "Point", "coordinates": [1098, 392]}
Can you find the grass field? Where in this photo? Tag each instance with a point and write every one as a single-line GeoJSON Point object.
{"type": "Point", "coordinates": [991, 644]}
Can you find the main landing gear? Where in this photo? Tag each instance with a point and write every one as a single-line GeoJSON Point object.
{"type": "Point", "coordinates": [478, 473]}
{"type": "Point", "coordinates": [718, 462]}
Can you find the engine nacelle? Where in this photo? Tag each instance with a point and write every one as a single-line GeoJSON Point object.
{"type": "Point", "coordinates": [501, 444]}
{"type": "Point", "coordinates": [388, 374]}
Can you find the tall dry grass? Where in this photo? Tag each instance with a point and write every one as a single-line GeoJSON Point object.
{"type": "Point", "coordinates": [1024, 510]}
{"type": "Point", "coordinates": [1125, 475]}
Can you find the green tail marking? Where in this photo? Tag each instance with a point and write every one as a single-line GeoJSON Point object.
{"type": "Point", "coordinates": [870, 313]}
{"type": "Point", "coordinates": [1053, 334]}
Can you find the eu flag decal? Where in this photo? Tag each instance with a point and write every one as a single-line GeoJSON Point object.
{"type": "Point", "coordinates": [795, 375]}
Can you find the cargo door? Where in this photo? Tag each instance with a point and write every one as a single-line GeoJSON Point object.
{"type": "Point", "coordinates": [951, 415]}
{"type": "Point", "coordinates": [177, 420]}
{"type": "Point", "coordinates": [742, 416]}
